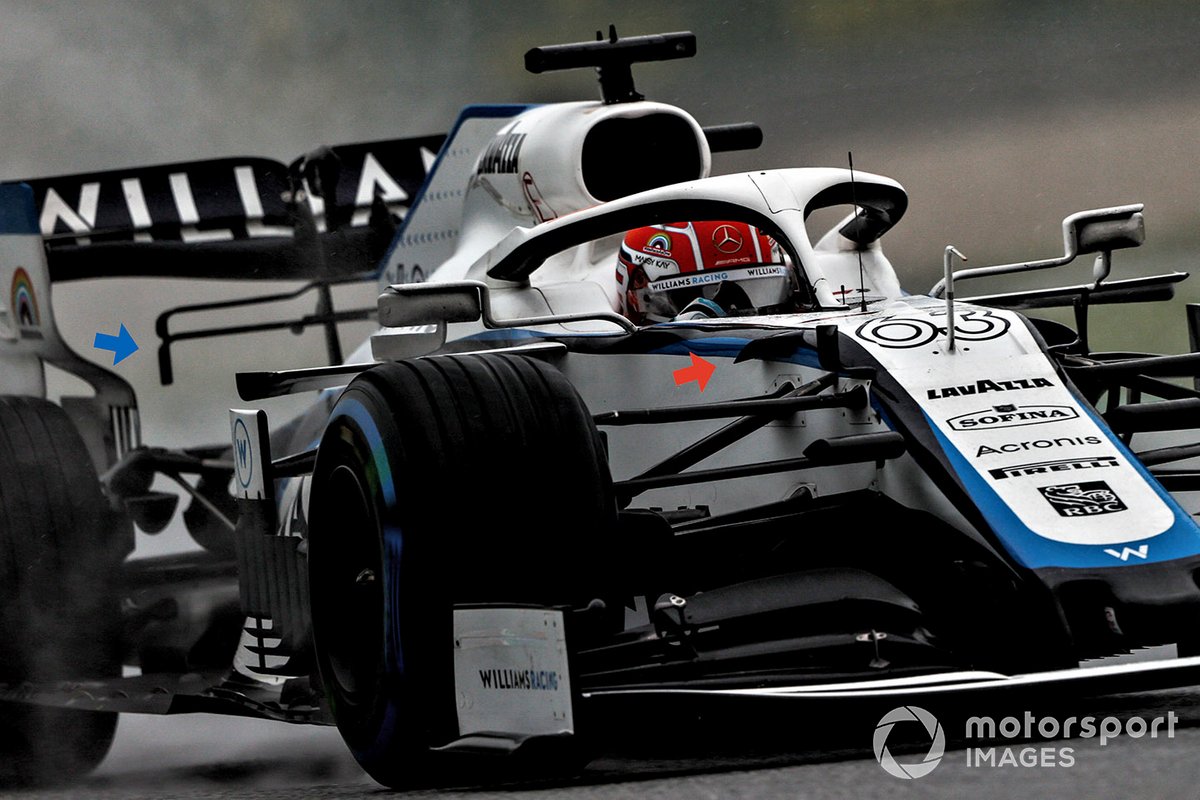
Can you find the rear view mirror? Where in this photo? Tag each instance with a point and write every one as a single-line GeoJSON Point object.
{"type": "Point", "coordinates": [412, 304]}
{"type": "Point", "coordinates": [1104, 230]}
{"type": "Point", "coordinates": [415, 315]}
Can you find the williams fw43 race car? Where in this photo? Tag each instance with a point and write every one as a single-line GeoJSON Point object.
{"type": "Point", "coordinates": [627, 432]}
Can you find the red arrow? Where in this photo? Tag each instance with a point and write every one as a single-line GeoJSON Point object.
{"type": "Point", "coordinates": [700, 371]}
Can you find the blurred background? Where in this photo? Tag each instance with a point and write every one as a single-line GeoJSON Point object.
{"type": "Point", "coordinates": [999, 118]}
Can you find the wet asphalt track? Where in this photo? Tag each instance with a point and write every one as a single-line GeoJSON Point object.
{"type": "Point", "coordinates": [214, 757]}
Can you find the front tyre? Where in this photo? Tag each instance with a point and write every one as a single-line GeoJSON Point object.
{"type": "Point", "coordinates": [442, 481]}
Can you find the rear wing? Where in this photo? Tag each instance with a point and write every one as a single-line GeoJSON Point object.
{"type": "Point", "coordinates": [327, 218]}
{"type": "Point", "coordinates": [330, 214]}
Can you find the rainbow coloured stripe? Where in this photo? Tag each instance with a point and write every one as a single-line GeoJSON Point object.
{"type": "Point", "coordinates": [24, 300]}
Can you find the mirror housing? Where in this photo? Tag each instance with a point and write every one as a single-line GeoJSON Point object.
{"type": "Point", "coordinates": [415, 315]}
{"type": "Point", "coordinates": [1104, 230]}
{"type": "Point", "coordinates": [405, 305]}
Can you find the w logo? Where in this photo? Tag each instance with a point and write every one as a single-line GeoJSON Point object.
{"type": "Point", "coordinates": [243, 451]}
{"type": "Point", "coordinates": [1125, 552]}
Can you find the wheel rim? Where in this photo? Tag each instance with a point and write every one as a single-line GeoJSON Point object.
{"type": "Point", "coordinates": [352, 632]}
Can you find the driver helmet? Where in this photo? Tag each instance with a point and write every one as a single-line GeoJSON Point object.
{"type": "Point", "coordinates": [710, 269]}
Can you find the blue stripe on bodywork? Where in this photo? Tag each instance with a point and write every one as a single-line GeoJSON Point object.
{"type": "Point", "coordinates": [731, 347]}
{"type": "Point", "coordinates": [710, 346]}
{"type": "Point", "coordinates": [1181, 540]}
{"type": "Point", "coordinates": [714, 347]}
{"type": "Point", "coordinates": [17, 212]}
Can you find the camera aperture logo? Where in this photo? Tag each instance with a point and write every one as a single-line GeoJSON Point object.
{"type": "Point", "coordinates": [1026, 730]}
{"type": "Point", "coordinates": [937, 744]}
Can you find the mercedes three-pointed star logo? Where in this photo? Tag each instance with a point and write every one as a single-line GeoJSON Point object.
{"type": "Point", "coordinates": [727, 239]}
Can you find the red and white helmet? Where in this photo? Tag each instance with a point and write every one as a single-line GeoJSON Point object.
{"type": "Point", "coordinates": [731, 265]}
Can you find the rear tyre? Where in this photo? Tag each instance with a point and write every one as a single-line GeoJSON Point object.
{"type": "Point", "coordinates": [455, 479]}
{"type": "Point", "coordinates": [59, 617]}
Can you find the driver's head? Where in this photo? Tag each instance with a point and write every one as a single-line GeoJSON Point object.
{"type": "Point", "coordinates": [732, 265]}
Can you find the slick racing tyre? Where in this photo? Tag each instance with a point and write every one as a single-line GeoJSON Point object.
{"type": "Point", "coordinates": [58, 611]}
{"type": "Point", "coordinates": [442, 481]}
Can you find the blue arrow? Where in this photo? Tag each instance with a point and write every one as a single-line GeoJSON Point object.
{"type": "Point", "coordinates": [122, 345]}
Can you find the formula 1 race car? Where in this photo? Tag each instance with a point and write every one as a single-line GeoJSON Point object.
{"type": "Point", "coordinates": [627, 431]}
